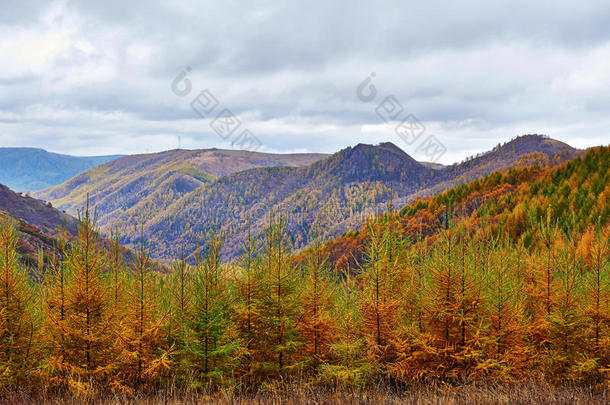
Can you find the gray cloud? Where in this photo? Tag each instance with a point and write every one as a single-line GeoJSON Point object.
{"type": "Point", "coordinates": [94, 77]}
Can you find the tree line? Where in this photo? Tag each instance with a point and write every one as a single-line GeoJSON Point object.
{"type": "Point", "coordinates": [468, 303]}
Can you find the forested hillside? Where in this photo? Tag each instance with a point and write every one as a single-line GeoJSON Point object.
{"type": "Point", "coordinates": [329, 197]}
{"type": "Point", "coordinates": [37, 225]}
{"type": "Point", "coordinates": [502, 279]}
{"type": "Point", "coordinates": [42, 230]}
{"type": "Point", "coordinates": [36, 212]}
{"type": "Point", "coordinates": [179, 195]}
{"type": "Point", "coordinates": [517, 199]}
{"type": "Point", "coordinates": [139, 187]}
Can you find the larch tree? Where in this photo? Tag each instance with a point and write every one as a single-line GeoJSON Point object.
{"type": "Point", "coordinates": [208, 343]}
{"type": "Point", "coordinates": [469, 301]}
{"type": "Point", "coordinates": [278, 303]}
{"type": "Point", "coordinates": [415, 300]}
{"type": "Point", "coordinates": [566, 327]}
{"type": "Point", "coordinates": [381, 292]}
{"type": "Point", "coordinates": [18, 323]}
{"type": "Point", "coordinates": [142, 357]}
{"type": "Point", "coordinates": [444, 316]}
{"type": "Point", "coordinates": [86, 330]}
{"type": "Point", "coordinates": [246, 316]}
{"type": "Point", "coordinates": [413, 341]}
{"type": "Point", "coordinates": [316, 326]}
{"type": "Point", "coordinates": [549, 234]}
{"type": "Point", "coordinates": [541, 285]}
{"type": "Point", "coordinates": [443, 287]}
{"type": "Point", "coordinates": [176, 297]}
{"type": "Point", "coordinates": [595, 251]}
{"type": "Point", "coordinates": [116, 270]}
{"type": "Point", "coordinates": [506, 351]}
{"type": "Point", "coordinates": [55, 301]}
{"type": "Point", "coordinates": [349, 363]}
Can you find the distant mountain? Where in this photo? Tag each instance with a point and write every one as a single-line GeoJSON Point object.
{"type": "Point", "coordinates": [30, 169]}
{"type": "Point", "coordinates": [330, 196]}
{"type": "Point", "coordinates": [140, 186]}
{"type": "Point", "coordinates": [525, 150]}
{"type": "Point", "coordinates": [178, 201]}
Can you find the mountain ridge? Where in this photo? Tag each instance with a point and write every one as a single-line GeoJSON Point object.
{"type": "Point", "coordinates": [33, 169]}
{"type": "Point", "coordinates": [336, 193]}
{"type": "Point", "coordinates": [517, 198]}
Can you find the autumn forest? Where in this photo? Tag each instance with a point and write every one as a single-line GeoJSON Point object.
{"type": "Point", "coordinates": [502, 279]}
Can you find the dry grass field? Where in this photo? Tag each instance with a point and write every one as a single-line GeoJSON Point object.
{"type": "Point", "coordinates": [522, 393]}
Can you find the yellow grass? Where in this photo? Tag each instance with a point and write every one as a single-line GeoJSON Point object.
{"type": "Point", "coordinates": [533, 392]}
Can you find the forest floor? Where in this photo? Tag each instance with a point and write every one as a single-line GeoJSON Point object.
{"type": "Point", "coordinates": [524, 393]}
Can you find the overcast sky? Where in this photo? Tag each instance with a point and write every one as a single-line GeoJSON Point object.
{"type": "Point", "coordinates": [95, 77]}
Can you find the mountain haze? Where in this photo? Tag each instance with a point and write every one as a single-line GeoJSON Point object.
{"type": "Point", "coordinates": [31, 169]}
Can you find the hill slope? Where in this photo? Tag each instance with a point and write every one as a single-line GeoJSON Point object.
{"type": "Point", "coordinates": [39, 226]}
{"type": "Point", "coordinates": [572, 195]}
{"type": "Point", "coordinates": [141, 185]}
{"type": "Point", "coordinates": [326, 195]}
{"type": "Point", "coordinates": [36, 212]}
{"type": "Point", "coordinates": [31, 169]}
{"type": "Point", "coordinates": [177, 197]}
{"type": "Point", "coordinates": [331, 197]}
{"type": "Point", "coordinates": [37, 223]}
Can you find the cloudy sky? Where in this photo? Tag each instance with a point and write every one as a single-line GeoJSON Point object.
{"type": "Point", "coordinates": [92, 78]}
